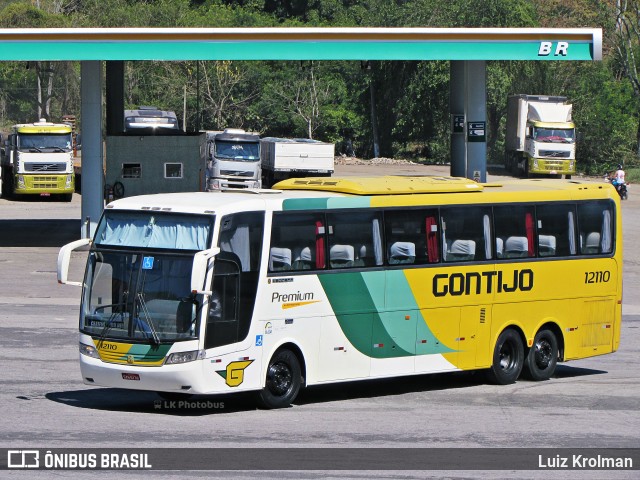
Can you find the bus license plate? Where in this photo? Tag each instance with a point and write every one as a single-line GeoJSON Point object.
{"type": "Point", "coordinates": [130, 376]}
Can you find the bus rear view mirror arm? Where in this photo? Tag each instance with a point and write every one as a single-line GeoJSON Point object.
{"type": "Point", "coordinates": [199, 270]}
{"type": "Point", "coordinates": [64, 257]}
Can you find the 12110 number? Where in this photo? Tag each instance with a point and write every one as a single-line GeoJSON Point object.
{"type": "Point", "coordinates": [597, 277]}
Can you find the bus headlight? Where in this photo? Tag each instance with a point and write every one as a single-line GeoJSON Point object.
{"type": "Point", "coordinates": [88, 350]}
{"type": "Point", "coordinates": [254, 184]}
{"type": "Point", "coordinates": [68, 182]}
{"type": "Point", "coordinates": [21, 183]}
{"type": "Point", "coordinates": [184, 357]}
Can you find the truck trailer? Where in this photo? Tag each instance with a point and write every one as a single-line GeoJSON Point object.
{"type": "Point", "coordinates": [540, 136]}
{"type": "Point", "coordinates": [284, 158]}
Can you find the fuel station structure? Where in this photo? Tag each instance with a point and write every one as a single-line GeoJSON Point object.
{"type": "Point", "coordinates": [467, 49]}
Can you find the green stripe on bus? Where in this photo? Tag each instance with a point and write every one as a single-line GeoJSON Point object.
{"type": "Point", "coordinates": [148, 352]}
{"type": "Point", "coordinates": [357, 300]}
{"type": "Point", "coordinates": [326, 203]}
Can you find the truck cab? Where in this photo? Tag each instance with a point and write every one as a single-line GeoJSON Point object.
{"type": "Point", "coordinates": [551, 147]}
{"type": "Point", "coordinates": [540, 137]}
{"type": "Point", "coordinates": [37, 159]}
{"type": "Point", "coordinates": [233, 160]}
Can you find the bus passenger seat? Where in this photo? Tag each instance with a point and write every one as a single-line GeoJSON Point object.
{"type": "Point", "coordinates": [341, 256]}
{"type": "Point", "coordinates": [362, 260]}
{"type": "Point", "coordinates": [516, 247]}
{"type": "Point", "coordinates": [547, 245]}
{"type": "Point", "coordinates": [279, 259]}
{"type": "Point", "coordinates": [592, 243]}
{"type": "Point", "coordinates": [303, 259]}
{"type": "Point", "coordinates": [461, 250]}
{"type": "Point", "coordinates": [499, 247]}
{"type": "Point", "coordinates": [402, 253]}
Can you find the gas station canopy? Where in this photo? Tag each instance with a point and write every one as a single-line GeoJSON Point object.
{"type": "Point", "coordinates": [363, 43]}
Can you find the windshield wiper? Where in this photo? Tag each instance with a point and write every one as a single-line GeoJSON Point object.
{"type": "Point", "coordinates": [107, 326]}
{"type": "Point", "coordinates": [143, 308]}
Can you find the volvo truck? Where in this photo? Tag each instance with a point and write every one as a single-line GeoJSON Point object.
{"type": "Point", "coordinates": [540, 136]}
{"type": "Point", "coordinates": [37, 159]}
{"type": "Point", "coordinates": [233, 160]}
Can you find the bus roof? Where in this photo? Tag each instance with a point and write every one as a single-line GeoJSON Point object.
{"type": "Point", "coordinates": [382, 185]}
{"type": "Point", "coordinates": [320, 193]}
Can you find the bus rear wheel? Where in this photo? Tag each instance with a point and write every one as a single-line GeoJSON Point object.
{"type": "Point", "coordinates": [284, 380]}
{"type": "Point", "coordinates": [508, 358]}
{"type": "Point", "coordinates": [542, 358]}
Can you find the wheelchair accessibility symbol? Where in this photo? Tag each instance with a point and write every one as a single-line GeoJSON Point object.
{"type": "Point", "coordinates": [147, 263]}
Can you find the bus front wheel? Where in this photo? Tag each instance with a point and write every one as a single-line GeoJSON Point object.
{"type": "Point", "coordinates": [284, 379]}
{"type": "Point", "coordinates": [543, 356]}
{"type": "Point", "coordinates": [508, 358]}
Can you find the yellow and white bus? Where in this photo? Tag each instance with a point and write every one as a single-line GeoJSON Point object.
{"type": "Point", "coordinates": [328, 280]}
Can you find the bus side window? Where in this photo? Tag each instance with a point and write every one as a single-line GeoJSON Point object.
{"type": "Point", "coordinates": [299, 238]}
{"type": "Point", "coordinates": [466, 234]}
{"type": "Point", "coordinates": [514, 231]}
{"type": "Point", "coordinates": [355, 239]}
{"type": "Point", "coordinates": [412, 236]}
{"type": "Point", "coordinates": [556, 230]}
{"type": "Point", "coordinates": [595, 222]}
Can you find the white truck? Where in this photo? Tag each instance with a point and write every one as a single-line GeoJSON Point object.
{"type": "Point", "coordinates": [37, 159]}
{"type": "Point", "coordinates": [233, 160]}
{"type": "Point", "coordinates": [284, 158]}
{"type": "Point", "coordinates": [540, 136]}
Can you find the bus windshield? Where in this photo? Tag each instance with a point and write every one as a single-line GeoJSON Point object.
{"type": "Point", "coordinates": [139, 296]}
{"type": "Point", "coordinates": [139, 274]}
{"type": "Point", "coordinates": [146, 229]}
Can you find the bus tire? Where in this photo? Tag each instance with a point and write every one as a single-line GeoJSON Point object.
{"type": "Point", "coordinates": [508, 358]}
{"type": "Point", "coordinates": [542, 358]}
{"type": "Point", "coordinates": [283, 382]}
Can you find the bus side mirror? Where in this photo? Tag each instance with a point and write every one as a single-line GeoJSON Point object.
{"type": "Point", "coordinates": [199, 270]}
{"type": "Point", "coordinates": [64, 257]}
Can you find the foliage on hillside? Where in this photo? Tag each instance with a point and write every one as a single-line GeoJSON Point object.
{"type": "Point", "coordinates": [334, 100]}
